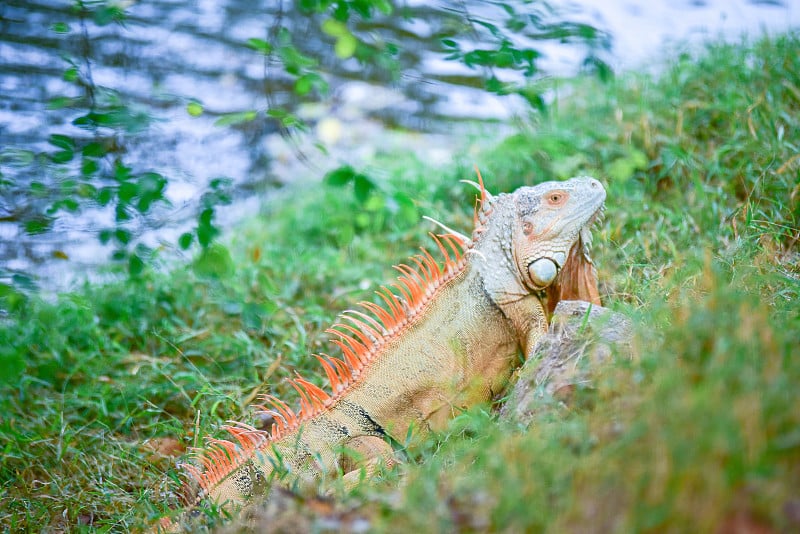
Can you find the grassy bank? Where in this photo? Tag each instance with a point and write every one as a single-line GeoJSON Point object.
{"type": "Point", "coordinates": [106, 387]}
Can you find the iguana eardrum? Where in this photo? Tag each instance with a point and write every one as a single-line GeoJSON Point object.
{"type": "Point", "coordinates": [446, 338]}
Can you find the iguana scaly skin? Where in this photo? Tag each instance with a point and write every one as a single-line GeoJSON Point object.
{"type": "Point", "coordinates": [446, 338]}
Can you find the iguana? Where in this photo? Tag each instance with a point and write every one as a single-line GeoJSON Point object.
{"type": "Point", "coordinates": [446, 337]}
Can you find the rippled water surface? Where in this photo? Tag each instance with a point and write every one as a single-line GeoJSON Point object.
{"type": "Point", "coordinates": [170, 53]}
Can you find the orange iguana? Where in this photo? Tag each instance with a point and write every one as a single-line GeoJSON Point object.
{"type": "Point", "coordinates": [446, 338]}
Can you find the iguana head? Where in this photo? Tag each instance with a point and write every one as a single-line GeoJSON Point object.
{"type": "Point", "coordinates": [550, 236]}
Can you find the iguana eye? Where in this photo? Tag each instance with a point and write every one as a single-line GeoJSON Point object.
{"type": "Point", "coordinates": [557, 198]}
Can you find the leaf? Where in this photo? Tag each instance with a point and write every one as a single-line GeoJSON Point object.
{"type": "Point", "coordinates": [151, 183]}
{"type": "Point", "coordinates": [205, 227]}
{"type": "Point", "coordinates": [60, 102]}
{"type": "Point", "coordinates": [94, 150]}
{"type": "Point", "coordinates": [121, 213]}
{"type": "Point", "coordinates": [135, 265]}
{"type": "Point", "coordinates": [341, 176]}
{"type": "Point", "coordinates": [104, 236]}
{"type": "Point", "coordinates": [104, 196]}
{"type": "Point", "coordinates": [126, 191]}
{"type": "Point", "coordinates": [345, 46]}
{"type": "Point", "coordinates": [89, 167]}
{"type": "Point", "coordinates": [235, 118]}
{"type": "Point", "coordinates": [384, 6]}
{"type": "Point", "coordinates": [107, 14]}
{"type": "Point", "coordinates": [260, 45]}
{"type": "Point", "coordinates": [185, 240]}
{"type": "Point", "coordinates": [63, 142]}
{"type": "Point", "coordinates": [214, 262]}
{"type": "Point", "coordinates": [16, 157]}
{"type": "Point", "coordinates": [62, 156]}
{"type": "Point", "coordinates": [70, 74]}
{"type": "Point", "coordinates": [122, 235]}
{"type": "Point", "coordinates": [60, 27]}
{"type": "Point", "coordinates": [23, 281]}
{"type": "Point", "coordinates": [121, 172]}
{"type": "Point", "coordinates": [334, 28]}
{"type": "Point", "coordinates": [195, 109]}
{"type": "Point", "coordinates": [363, 186]}
{"type": "Point", "coordinates": [39, 225]}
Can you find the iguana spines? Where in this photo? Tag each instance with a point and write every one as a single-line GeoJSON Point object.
{"type": "Point", "coordinates": [359, 342]}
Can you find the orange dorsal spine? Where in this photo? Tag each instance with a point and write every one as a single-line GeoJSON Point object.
{"type": "Point", "coordinates": [360, 335]}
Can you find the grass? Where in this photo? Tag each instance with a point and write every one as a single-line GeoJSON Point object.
{"type": "Point", "coordinates": [105, 387]}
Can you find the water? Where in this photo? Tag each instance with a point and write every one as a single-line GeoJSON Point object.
{"type": "Point", "coordinates": [170, 53]}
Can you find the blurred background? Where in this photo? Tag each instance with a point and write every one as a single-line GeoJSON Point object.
{"type": "Point", "coordinates": [130, 128]}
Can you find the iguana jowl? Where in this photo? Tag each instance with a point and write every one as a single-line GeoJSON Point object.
{"type": "Point", "coordinates": [446, 338]}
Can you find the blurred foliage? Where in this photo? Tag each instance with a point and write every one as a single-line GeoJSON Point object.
{"type": "Point", "coordinates": [86, 169]}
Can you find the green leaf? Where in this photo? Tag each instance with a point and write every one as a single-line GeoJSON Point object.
{"type": "Point", "coordinates": [384, 6]}
{"type": "Point", "coordinates": [94, 150]}
{"type": "Point", "coordinates": [260, 45]}
{"type": "Point", "coordinates": [345, 46]}
{"type": "Point", "coordinates": [16, 157]}
{"type": "Point", "coordinates": [151, 183]}
{"type": "Point", "coordinates": [214, 262]}
{"type": "Point", "coordinates": [309, 81]}
{"type": "Point", "coordinates": [62, 156]}
{"type": "Point", "coordinates": [60, 102]}
{"type": "Point", "coordinates": [107, 14]}
{"type": "Point", "coordinates": [135, 265]}
{"type": "Point", "coordinates": [195, 109]}
{"type": "Point", "coordinates": [121, 213]}
{"type": "Point", "coordinates": [303, 85]}
{"type": "Point", "coordinates": [89, 167]}
{"type": "Point", "coordinates": [206, 231]}
{"type": "Point", "coordinates": [363, 186]}
{"type": "Point", "coordinates": [23, 281]}
{"type": "Point", "coordinates": [59, 27]}
{"type": "Point", "coordinates": [62, 141]}
{"type": "Point", "coordinates": [126, 191]}
{"type": "Point", "coordinates": [38, 225]}
{"type": "Point", "coordinates": [104, 236]}
{"type": "Point", "coordinates": [185, 240]}
{"type": "Point", "coordinates": [70, 74]}
{"type": "Point", "coordinates": [235, 118]}
{"type": "Point", "coordinates": [341, 176]}
{"type": "Point", "coordinates": [334, 28]}
{"type": "Point", "coordinates": [104, 196]}
{"type": "Point", "coordinates": [121, 172]}
{"type": "Point", "coordinates": [122, 235]}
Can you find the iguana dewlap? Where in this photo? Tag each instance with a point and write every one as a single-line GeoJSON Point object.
{"type": "Point", "coordinates": [447, 337]}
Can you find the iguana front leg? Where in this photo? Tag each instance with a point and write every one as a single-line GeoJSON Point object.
{"type": "Point", "coordinates": [365, 454]}
{"type": "Point", "coordinates": [529, 318]}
